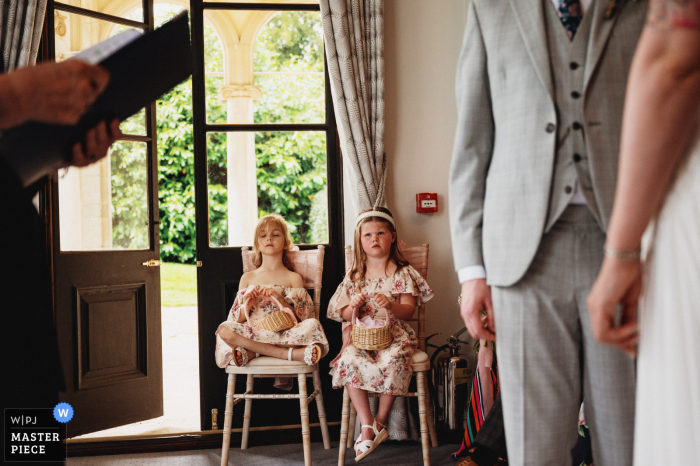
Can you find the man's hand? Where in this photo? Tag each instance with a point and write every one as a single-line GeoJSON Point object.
{"type": "Point", "coordinates": [619, 284]}
{"type": "Point", "coordinates": [97, 143]}
{"type": "Point", "coordinates": [50, 92]}
{"type": "Point", "coordinates": [476, 297]}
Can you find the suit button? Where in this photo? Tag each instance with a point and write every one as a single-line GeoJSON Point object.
{"type": "Point", "coordinates": [550, 127]}
{"type": "Point", "coordinates": [568, 190]}
{"type": "Point", "coordinates": [576, 125]}
{"type": "Point", "coordinates": [575, 95]}
{"type": "Point", "coordinates": [577, 158]}
{"type": "Point", "coordinates": [573, 65]}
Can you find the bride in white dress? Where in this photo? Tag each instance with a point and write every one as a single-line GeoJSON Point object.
{"type": "Point", "coordinates": [659, 191]}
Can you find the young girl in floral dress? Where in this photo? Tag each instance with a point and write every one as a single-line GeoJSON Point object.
{"type": "Point", "coordinates": [272, 287]}
{"type": "Point", "coordinates": [380, 285]}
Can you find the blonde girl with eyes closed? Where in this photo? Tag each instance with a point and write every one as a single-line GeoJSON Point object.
{"type": "Point", "coordinates": [272, 287]}
{"type": "Point", "coordinates": [380, 285]}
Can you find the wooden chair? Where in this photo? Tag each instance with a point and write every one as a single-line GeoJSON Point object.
{"type": "Point", "coordinates": [309, 264]}
{"type": "Point", "coordinates": [417, 256]}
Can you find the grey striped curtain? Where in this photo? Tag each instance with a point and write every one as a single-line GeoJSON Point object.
{"type": "Point", "coordinates": [21, 23]}
{"type": "Point", "coordinates": [353, 32]}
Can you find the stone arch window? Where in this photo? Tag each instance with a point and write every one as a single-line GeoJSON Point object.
{"type": "Point", "coordinates": [275, 125]}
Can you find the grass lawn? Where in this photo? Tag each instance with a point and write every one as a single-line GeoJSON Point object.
{"type": "Point", "coordinates": [178, 284]}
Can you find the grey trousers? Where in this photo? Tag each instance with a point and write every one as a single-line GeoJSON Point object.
{"type": "Point", "coordinates": [549, 360]}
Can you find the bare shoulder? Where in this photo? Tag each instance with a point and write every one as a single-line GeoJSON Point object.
{"type": "Point", "coordinates": [296, 279]}
{"type": "Point", "coordinates": [667, 15]}
{"type": "Point", "coordinates": [245, 280]}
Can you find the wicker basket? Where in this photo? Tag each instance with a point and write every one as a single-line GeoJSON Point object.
{"type": "Point", "coordinates": [371, 338]}
{"type": "Point", "coordinates": [276, 322]}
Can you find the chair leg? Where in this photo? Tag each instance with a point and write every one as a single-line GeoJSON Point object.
{"type": "Point", "coordinates": [344, 426]}
{"type": "Point", "coordinates": [305, 428]}
{"type": "Point", "coordinates": [228, 417]}
{"type": "Point", "coordinates": [246, 412]}
{"type": "Point", "coordinates": [321, 410]}
{"type": "Point", "coordinates": [431, 422]}
{"type": "Point", "coordinates": [420, 381]}
{"type": "Point", "coordinates": [351, 425]}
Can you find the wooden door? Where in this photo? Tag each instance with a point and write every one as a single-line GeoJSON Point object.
{"type": "Point", "coordinates": [105, 253]}
{"type": "Point", "coordinates": [219, 256]}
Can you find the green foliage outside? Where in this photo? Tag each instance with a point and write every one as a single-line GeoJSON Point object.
{"type": "Point", "coordinates": [291, 166]}
{"type": "Point", "coordinates": [178, 284]}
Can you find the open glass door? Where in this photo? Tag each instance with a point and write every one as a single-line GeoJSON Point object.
{"type": "Point", "coordinates": [106, 254]}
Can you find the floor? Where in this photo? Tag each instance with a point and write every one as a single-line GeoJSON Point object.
{"type": "Point", "coordinates": [180, 378]}
{"type": "Point", "coordinates": [390, 453]}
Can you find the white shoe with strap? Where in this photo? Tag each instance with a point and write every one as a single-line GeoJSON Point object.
{"type": "Point", "coordinates": [365, 447]}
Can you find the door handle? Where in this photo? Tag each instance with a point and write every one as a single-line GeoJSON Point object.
{"type": "Point", "coordinates": [152, 263]}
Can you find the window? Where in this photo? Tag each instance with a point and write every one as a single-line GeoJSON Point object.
{"type": "Point", "coordinates": [269, 126]}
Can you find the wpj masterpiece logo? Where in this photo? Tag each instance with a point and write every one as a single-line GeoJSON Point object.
{"type": "Point", "coordinates": [36, 434]}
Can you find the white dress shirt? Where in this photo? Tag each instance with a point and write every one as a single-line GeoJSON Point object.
{"type": "Point", "coordinates": [473, 272]}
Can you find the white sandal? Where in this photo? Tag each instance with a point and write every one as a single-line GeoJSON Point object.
{"type": "Point", "coordinates": [365, 447]}
{"type": "Point", "coordinates": [244, 356]}
{"type": "Point", "coordinates": [309, 354]}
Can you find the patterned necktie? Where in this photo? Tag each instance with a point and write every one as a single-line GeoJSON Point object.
{"type": "Point", "coordinates": [570, 13]}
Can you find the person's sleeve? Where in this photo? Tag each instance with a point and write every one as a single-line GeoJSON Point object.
{"type": "Point", "coordinates": [473, 272]}
{"type": "Point", "coordinates": [340, 299]}
{"type": "Point", "coordinates": [473, 147]}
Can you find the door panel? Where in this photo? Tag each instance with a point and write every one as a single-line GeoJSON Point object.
{"type": "Point", "coordinates": [105, 247]}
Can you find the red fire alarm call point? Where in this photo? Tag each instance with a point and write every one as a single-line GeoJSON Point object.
{"type": "Point", "coordinates": [426, 203]}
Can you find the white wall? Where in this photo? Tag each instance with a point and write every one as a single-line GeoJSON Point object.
{"type": "Point", "coordinates": [421, 46]}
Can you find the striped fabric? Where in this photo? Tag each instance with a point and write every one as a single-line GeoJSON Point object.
{"type": "Point", "coordinates": [484, 392]}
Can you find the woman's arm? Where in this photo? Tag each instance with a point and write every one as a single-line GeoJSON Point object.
{"type": "Point", "coordinates": [661, 110]}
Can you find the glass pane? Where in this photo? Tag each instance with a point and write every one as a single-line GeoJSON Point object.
{"type": "Point", "coordinates": [80, 32]}
{"type": "Point", "coordinates": [110, 7]}
{"type": "Point", "coordinates": [254, 174]}
{"type": "Point", "coordinates": [105, 205]}
{"type": "Point", "coordinates": [276, 76]}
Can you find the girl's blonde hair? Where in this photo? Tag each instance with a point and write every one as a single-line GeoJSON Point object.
{"type": "Point", "coordinates": [264, 224]}
{"type": "Point", "coordinates": [359, 268]}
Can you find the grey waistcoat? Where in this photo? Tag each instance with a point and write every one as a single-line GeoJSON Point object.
{"type": "Point", "coordinates": [567, 61]}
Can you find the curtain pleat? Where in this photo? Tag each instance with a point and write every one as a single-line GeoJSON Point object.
{"type": "Point", "coordinates": [353, 36]}
{"type": "Point", "coordinates": [21, 24]}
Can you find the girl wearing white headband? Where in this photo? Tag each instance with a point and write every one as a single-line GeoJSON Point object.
{"type": "Point", "coordinates": [380, 285]}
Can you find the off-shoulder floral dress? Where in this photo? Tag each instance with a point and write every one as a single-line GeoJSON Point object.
{"type": "Point", "coordinates": [307, 331]}
{"type": "Point", "coordinates": [383, 371]}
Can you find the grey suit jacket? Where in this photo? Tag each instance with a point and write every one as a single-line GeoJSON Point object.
{"type": "Point", "coordinates": [503, 158]}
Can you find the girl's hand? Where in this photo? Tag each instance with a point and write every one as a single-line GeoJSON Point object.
{"type": "Point", "coordinates": [358, 300]}
{"type": "Point", "coordinates": [619, 284]}
{"type": "Point", "coordinates": [383, 301]}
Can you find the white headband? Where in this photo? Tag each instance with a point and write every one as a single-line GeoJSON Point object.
{"type": "Point", "coordinates": [374, 213]}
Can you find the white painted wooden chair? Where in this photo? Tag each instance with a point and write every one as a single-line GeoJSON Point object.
{"type": "Point", "coordinates": [309, 264]}
{"type": "Point", "coordinates": [417, 256]}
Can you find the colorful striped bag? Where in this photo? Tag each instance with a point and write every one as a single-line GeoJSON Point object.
{"type": "Point", "coordinates": [484, 392]}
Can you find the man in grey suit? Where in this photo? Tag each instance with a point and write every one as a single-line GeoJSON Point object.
{"type": "Point", "coordinates": [540, 90]}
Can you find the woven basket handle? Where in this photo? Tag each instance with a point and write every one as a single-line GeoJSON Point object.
{"type": "Point", "coordinates": [356, 311]}
{"type": "Point", "coordinates": [274, 299]}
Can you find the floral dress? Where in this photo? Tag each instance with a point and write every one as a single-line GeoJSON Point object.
{"type": "Point", "coordinates": [307, 331]}
{"type": "Point", "coordinates": [383, 371]}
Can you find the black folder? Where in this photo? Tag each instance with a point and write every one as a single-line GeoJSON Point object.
{"type": "Point", "coordinates": [141, 71]}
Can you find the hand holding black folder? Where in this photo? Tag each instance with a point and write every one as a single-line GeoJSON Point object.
{"type": "Point", "coordinates": [141, 71]}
